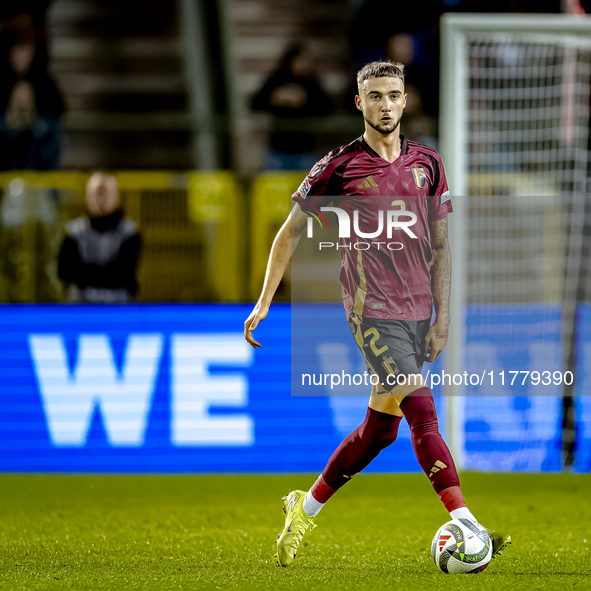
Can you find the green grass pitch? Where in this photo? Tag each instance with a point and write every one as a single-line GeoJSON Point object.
{"type": "Point", "coordinates": [217, 532]}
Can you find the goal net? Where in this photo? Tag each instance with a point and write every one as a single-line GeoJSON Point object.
{"type": "Point", "coordinates": [515, 130]}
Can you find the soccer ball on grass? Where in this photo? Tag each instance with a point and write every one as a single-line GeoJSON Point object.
{"type": "Point", "coordinates": [461, 546]}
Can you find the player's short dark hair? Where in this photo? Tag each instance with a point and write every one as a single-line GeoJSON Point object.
{"type": "Point", "coordinates": [381, 69]}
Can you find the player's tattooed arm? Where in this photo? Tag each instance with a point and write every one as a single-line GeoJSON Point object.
{"type": "Point", "coordinates": [441, 270]}
{"type": "Point", "coordinates": [440, 288]}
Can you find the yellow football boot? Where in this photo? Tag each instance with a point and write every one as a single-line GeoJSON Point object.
{"type": "Point", "coordinates": [499, 541]}
{"type": "Point", "coordinates": [297, 523]}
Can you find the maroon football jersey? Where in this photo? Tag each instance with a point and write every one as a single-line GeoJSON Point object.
{"type": "Point", "coordinates": [387, 257]}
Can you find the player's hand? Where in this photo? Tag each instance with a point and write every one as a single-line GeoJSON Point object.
{"type": "Point", "coordinates": [259, 313]}
{"type": "Point", "coordinates": [435, 341]}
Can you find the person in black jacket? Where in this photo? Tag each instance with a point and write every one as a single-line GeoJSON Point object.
{"type": "Point", "coordinates": [292, 93]}
{"type": "Point", "coordinates": [99, 254]}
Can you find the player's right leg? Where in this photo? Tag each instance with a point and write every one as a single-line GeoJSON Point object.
{"type": "Point", "coordinates": [297, 523]}
{"type": "Point", "coordinates": [356, 451]}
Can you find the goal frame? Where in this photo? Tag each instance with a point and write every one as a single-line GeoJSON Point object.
{"type": "Point", "coordinates": [453, 126]}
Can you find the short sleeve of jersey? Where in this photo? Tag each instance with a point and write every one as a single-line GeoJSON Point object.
{"type": "Point", "coordinates": [439, 199]}
{"type": "Point", "coordinates": [319, 188]}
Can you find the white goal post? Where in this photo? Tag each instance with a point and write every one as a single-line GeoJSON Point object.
{"type": "Point", "coordinates": [514, 132]}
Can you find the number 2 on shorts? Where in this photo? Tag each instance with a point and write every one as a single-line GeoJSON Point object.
{"type": "Point", "coordinates": [372, 343]}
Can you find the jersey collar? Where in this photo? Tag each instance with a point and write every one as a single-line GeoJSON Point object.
{"type": "Point", "coordinates": [403, 145]}
{"type": "Point", "coordinates": [403, 148]}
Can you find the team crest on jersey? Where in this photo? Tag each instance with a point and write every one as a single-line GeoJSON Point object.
{"type": "Point", "coordinates": [420, 177]}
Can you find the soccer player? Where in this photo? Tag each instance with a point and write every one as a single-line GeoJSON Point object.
{"type": "Point", "coordinates": [388, 293]}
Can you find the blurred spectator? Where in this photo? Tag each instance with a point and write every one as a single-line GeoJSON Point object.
{"type": "Point", "coordinates": [291, 93]}
{"type": "Point", "coordinates": [32, 10]}
{"type": "Point", "coordinates": [30, 103]}
{"type": "Point", "coordinates": [99, 254]}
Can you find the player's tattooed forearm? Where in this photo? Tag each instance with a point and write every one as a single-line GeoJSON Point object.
{"type": "Point", "coordinates": [438, 234]}
{"type": "Point", "coordinates": [441, 268]}
{"type": "Point", "coordinates": [445, 278]}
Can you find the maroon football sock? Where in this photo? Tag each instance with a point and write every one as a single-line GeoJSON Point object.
{"type": "Point", "coordinates": [321, 491]}
{"type": "Point", "coordinates": [452, 498]}
{"type": "Point", "coordinates": [357, 450]}
{"type": "Point", "coordinates": [431, 451]}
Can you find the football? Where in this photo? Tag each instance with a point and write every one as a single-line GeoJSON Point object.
{"type": "Point", "coordinates": [461, 546]}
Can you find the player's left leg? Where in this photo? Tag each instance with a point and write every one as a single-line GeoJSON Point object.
{"type": "Point", "coordinates": [437, 462]}
{"type": "Point", "coordinates": [431, 450]}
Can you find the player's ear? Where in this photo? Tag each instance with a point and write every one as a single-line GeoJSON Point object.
{"type": "Point", "coordinates": [358, 102]}
{"type": "Point", "coordinates": [404, 105]}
